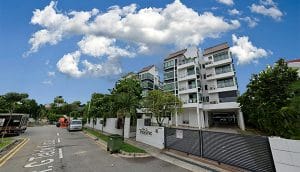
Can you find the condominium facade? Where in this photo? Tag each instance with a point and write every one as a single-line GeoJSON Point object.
{"type": "Point", "coordinates": [207, 85]}
{"type": "Point", "coordinates": [149, 79]}
{"type": "Point", "coordinates": [295, 64]}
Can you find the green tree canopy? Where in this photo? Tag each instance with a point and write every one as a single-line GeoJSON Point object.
{"type": "Point", "coordinates": [162, 104]}
{"type": "Point", "coordinates": [265, 101]}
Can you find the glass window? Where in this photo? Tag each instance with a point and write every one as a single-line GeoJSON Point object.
{"type": "Point", "coordinates": [221, 56]}
{"type": "Point", "coordinates": [225, 83]}
{"type": "Point", "coordinates": [223, 69]}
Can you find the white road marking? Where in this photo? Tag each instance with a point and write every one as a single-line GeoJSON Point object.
{"type": "Point", "coordinates": [57, 134]}
{"type": "Point", "coordinates": [58, 140]}
{"type": "Point", "coordinates": [60, 153]}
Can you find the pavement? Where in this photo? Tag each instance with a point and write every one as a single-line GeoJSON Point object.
{"type": "Point", "coordinates": [182, 160]}
{"type": "Point", "coordinates": [56, 149]}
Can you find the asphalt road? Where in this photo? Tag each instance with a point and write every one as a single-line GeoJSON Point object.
{"type": "Point", "coordinates": [54, 149]}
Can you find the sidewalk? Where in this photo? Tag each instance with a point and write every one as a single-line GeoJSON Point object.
{"type": "Point", "coordinates": [183, 161]}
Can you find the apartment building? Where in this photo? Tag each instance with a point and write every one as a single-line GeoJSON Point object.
{"type": "Point", "coordinates": [149, 79]}
{"type": "Point", "coordinates": [207, 86]}
{"type": "Point", "coordinates": [295, 64]}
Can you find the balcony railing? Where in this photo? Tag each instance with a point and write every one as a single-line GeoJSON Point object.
{"type": "Point", "coordinates": [188, 87]}
{"type": "Point", "coordinates": [228, 84]}
{"type": "Point", "coordinates": [194, 100]}
{"type": "Point", "coordinates": [228, 99]}
{"type": "Point", "coordinates": [182, 62]}
{"type": "Point", "coordinates": [183, 75]}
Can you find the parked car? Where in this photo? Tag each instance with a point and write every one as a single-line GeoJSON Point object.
{"type": "Point", "coordinates": [75, 125]}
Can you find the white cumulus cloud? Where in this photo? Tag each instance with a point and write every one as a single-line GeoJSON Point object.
{"type": "Point", "coordinates": [140, 29]}
{"type": "Point", "coordinates": [100, 46]}
{"type": "Point", "coordinates": [245, 51]}
{"type": "Point", "coordinates": [226, 2]}
{"type": "Point", "coordinates": [68, 64]}
{"type": "Point", "coordinates": [252, 22]}
{"type": "Point", "coordinates": [267, 8]}
{"type": "Point", "coordinates": [234, 12]}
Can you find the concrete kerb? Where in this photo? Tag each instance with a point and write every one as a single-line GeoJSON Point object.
{"type": "Point", "coordinates": [123, 154]}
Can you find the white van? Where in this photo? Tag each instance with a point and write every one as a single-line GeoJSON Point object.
{"type": "Point", "coordinates": [75, 125]}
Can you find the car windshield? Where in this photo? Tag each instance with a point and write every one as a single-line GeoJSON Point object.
{"type": "Point", "coordinates": [76, 122]}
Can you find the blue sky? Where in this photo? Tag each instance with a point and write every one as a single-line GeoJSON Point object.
{"type": "Point", "coordinates": [74, 48]}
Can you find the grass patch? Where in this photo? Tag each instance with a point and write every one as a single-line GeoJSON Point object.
{"type": "Point", "coordinates": [6, 141]}
{"type": "Point", "coordinates": [125, 147]}
{"type": "Point", "coordinates": [132, 149]}
{"type": "Point", "coordinates": [97, 134]}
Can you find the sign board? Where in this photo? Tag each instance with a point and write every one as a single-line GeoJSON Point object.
{"type": "Point", "coordinates": [179, 134]}
{"type": "Point", "coordinates": [2, 122]}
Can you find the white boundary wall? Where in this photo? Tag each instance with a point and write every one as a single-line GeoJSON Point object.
{"type": "Point", "coordinates": [286, 154]}
{"type": "Point", "coordinates": [110, 127]}
{"type": "Point", "coordinates": [127, 133]}
{"type": "Point", "coordinates": [151, 135]}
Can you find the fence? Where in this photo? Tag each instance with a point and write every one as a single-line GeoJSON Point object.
{"type": "Point", "coordinates": [248, 152]}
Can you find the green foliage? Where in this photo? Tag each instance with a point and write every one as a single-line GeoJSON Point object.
{"type": "Point", "coordinates": [53, 117]}
{"type": "Point", "coordinates": [265, 103]}
{"type": "Point", "coordinates": [126, 96]}
{"type": "Point", "coordinates": [162, 104]}
{"type": "Point", "coordinates": [10, 101]}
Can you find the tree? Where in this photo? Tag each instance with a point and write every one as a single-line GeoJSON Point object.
{"type": "Point", "coordinates": [267, 96]}
{"type": "Point", "coordinates": [127, 95]}
{"type": "Point", "coordinates": [162, 104]}
{"type": "Point", "coordinates": [9, 102]}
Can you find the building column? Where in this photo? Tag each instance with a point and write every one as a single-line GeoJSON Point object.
{"type": "Point", "coordinates": [176, 118]}
{"type": "Point", "coordinates": [206, 119]}
{"type": "Point", "coordinates": [241, 120]}
{"type": "Point", "coordinates": [198, 118]}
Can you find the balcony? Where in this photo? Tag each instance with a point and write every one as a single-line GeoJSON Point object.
{"type": "Point", "coordinates": [188, 89]}
{"type": "Point", "coordinates": [186, 76]}
{"type": "Point", "coordinates": [228, 99]}
{"type": "Point", "coordinates": [210, 63]}
{"type": "Point", "coordinates": [169, 87]}
{"type": "Point", "coordinates": [147, 85]}
{"type": "Point", "coordinates": [214, 89]}
{"type": "Point", "coordinates": [189, 103]}
{"type": "Point", "coordinates": [219, 76]}
{"type": "Point", "coordinates": [185, 64]}
{"type": "Point", "coordinates": [146, 76]}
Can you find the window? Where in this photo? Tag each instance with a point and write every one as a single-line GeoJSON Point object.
{"type": "Point", "coordinates": [204, 76]}
{"type": "Point", "coordinates": [190, 71]}
{"type": "Point", "coordinates": [225, 83]}
{"type": "Point", "coordinates": [169, 75]}
{"type": "Point", "coordinates": [221, 56]}
{"type": "Point", "coordinates": [206, 87]}
{"type": "Point", "coordinates": [169, 64]}
{"type": "Point", "coordinates": [207, 99]}
{"type": "Point", "coordinates": [223, 69]}
{"type": "Point", "coordinates": [203, 66]}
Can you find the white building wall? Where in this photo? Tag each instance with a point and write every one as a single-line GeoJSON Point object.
{"type": "Point", "coordinates": [151, 135]}
{"type": "Point", "coordinates": [286, 154]}
{"type": "Point", "coordinates": [110, 127]}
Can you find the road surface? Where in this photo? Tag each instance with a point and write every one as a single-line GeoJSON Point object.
{"type": "Point", "coordinates": [54, 149]}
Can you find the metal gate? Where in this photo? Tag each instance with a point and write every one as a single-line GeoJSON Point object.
{"type": "Point", "coordinates": [252, 153]}
{"type": "Point", "coordinates": [183, 140]}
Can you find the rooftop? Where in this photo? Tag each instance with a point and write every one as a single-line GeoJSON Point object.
{"type": "Point", "coordinates": [146, 68]}
{"type": "Point", "coordinates": [216, 48]}
{"type": "Point", "coordinates": [176, 54]}
{"type": "Point", "coordinates": [295, 60]}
